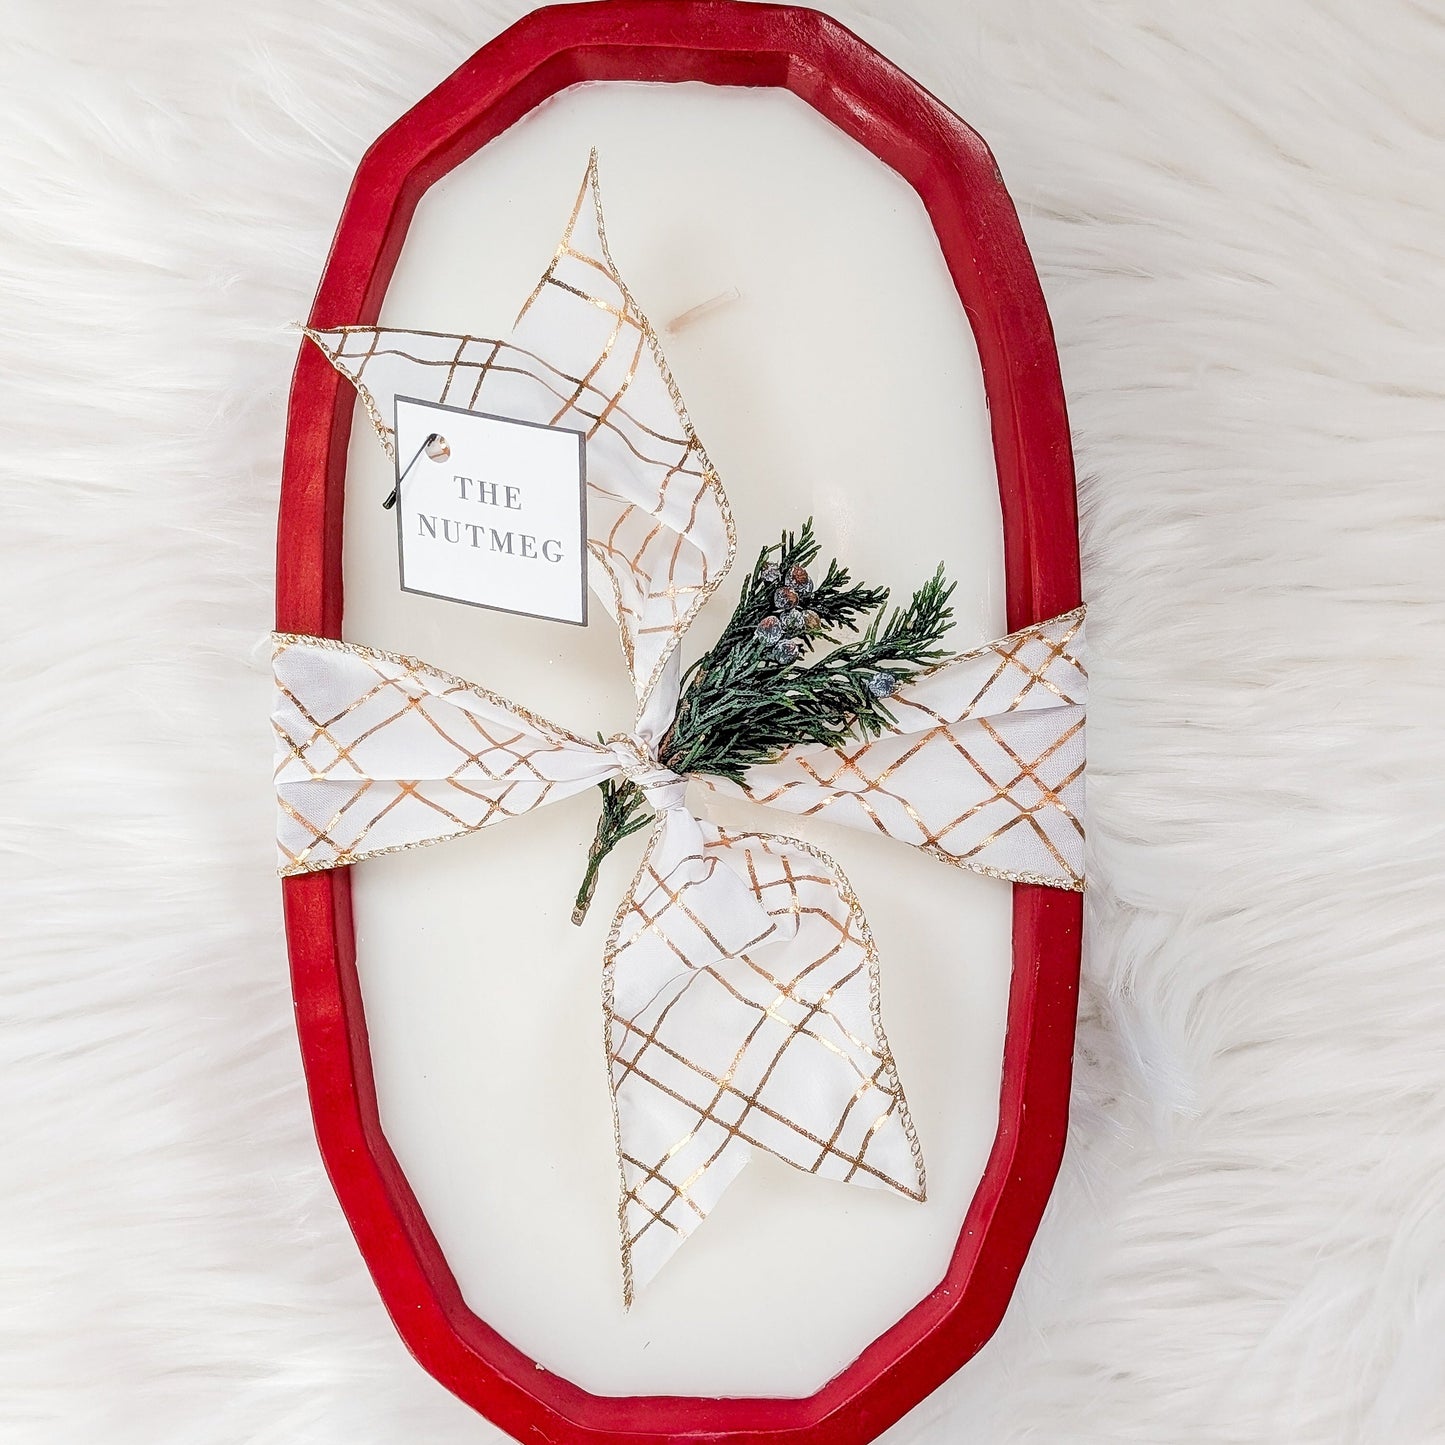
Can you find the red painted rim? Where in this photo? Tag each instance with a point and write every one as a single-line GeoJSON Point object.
{"type": "Point", "coordinates": [724, 42]}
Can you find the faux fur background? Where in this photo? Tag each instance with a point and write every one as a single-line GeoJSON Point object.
{"type": "Point", "coordinates": [1236, 209]}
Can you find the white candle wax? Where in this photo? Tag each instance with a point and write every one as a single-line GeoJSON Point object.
{"type": "Point", "coordinates": [836, 378]}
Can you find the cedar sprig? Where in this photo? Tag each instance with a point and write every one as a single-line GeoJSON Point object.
{"type": "Point", "coordinates": [758, 690]}
{"type": "Point", "coordinates": [624, 812]}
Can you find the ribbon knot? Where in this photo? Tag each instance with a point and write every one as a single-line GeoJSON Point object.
{"type": "Point", "coordinates": [663, 788]}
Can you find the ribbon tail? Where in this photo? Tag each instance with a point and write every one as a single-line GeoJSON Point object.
{"type": "Point", "coordinates": [741, 994]}
{"type": "Point", "coordinates": [983, 767]}
{"type": "Point", "coordinates": [376, 752]}
{"type": "Point", "coordinates": [661, 536]}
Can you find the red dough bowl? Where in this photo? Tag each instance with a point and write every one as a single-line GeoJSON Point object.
{"type": "Point", "coordinates": [723, 42]}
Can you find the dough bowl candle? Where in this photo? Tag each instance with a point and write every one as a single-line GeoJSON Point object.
{"type": "Point", "coordinates": [753, 320]}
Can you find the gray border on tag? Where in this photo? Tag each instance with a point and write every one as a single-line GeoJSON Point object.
{"type": "Point", "coordinates": [582, 498]}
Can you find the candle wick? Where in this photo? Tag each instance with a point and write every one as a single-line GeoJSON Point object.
{"type": "Point", "coordinates": [703, 308]}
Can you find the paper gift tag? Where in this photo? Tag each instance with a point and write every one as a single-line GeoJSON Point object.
{"type": "Point", "coordinates": [492, 511]}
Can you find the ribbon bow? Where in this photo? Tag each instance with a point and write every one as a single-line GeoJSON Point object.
{"type": "Point", "coordinates": [740, 977]}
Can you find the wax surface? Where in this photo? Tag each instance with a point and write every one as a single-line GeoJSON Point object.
{"type": "Point", "coordinates": [841, 382]}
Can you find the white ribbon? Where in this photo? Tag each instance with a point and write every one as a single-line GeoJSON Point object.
{"type": "Point", "coordinates": [741, 979]}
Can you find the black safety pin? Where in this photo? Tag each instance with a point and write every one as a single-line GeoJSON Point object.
{"type": "Point", "coordinates": [391, 500]}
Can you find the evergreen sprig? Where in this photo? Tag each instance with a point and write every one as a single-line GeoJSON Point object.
{"type": "Point", "coordinates": [757, 692]}
{"type": "Point", "coordinates": [624, 812]}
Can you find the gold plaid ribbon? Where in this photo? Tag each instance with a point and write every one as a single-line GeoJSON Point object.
{"type": "Point", "coordinates": [582, 355]}
{"type": "Point", "coordinates": [741, 983]}
{"type": "Point", "coordinates": [1008, 719]}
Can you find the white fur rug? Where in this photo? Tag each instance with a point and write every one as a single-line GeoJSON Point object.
{"type": "Point", "coordinates": [1237, 212]}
